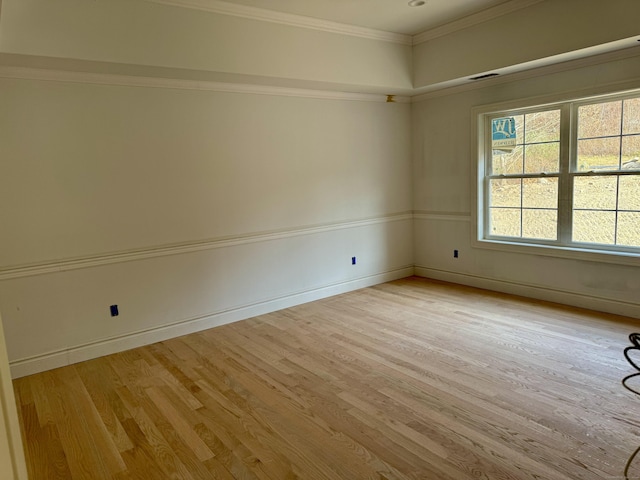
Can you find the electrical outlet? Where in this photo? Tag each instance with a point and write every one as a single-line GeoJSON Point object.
{"type": "Point", "coordinates": [353, 260]}
{"type": "Point", "coordinates": [114, 310]}
{"type": "Point", "coordinates": [455, 254]}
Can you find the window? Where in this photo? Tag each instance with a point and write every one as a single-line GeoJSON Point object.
{"type": "Point", "coordinates": [564, 175]}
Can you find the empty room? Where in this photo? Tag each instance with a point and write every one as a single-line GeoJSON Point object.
{"type": "Point", "coordinates": [329, 239]}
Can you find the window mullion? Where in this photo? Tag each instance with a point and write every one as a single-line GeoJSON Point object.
{"type": "Point", "coordinates": [568, 145]}
{"type": "Point", "coordinates": [486, 182]}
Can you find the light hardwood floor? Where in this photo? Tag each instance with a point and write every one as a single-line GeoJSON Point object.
{"type": "Point", "coordinates": [405, 380]}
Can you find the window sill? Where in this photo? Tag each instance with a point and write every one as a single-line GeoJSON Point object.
{"type": "Point", "coordinates": [571, 253]}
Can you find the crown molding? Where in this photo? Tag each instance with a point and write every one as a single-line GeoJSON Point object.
{"type": "Point", "coordinates": [45, 74]}
{"type": "Point", "coordinates": [474, 19]}
{"type": "Point", "coordinates": [20, 271]}
{"type": "Point", "coordinates": [255, 13]}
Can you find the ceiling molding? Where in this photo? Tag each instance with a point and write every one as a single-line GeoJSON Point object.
{"type": "Point", "coordinates": [255, 13]}
{"type": "Point", "coordinates": [532, 73]}
{"type": "Point", "coordinates": [474, 19]}
{"type": "Point", "coordinates": [29, 73]}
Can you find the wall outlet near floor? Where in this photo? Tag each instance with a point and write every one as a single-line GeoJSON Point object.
{"type": "Point", "coordinates": [114, 310]}
{"type": "Point", "coordinates": [455, 254]}
{"type": "Point", "coordinates": [353, 260]}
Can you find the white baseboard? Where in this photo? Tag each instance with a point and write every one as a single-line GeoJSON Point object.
{"type": "Point", "coordinates": [79, 353]}
{"type": "Point", "coordinates": [601, 304]}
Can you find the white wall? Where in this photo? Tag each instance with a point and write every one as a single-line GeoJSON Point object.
{"type": "Point", "coordinates": [187, 208]}
{"type": "Point", "coordinates": [98, 169]}
{"type": "Point", "coordinates": [443, 196]}
{"type": "Point", "coordinates": [544, 29]}
{"type": "Point", "coordinates": [190, 203]}
{"type": "Point", "coordinates": [134, 180]}
{"type": "Point", "coordinates": [137, 32]}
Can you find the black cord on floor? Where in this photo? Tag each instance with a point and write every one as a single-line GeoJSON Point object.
{"type": "Point", "coordinates": [629, 462]}
{"type": "Point", "coordinates": [634, 338]}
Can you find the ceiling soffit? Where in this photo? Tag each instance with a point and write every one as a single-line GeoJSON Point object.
{"type": "Point", "coordinates": [256, 13]}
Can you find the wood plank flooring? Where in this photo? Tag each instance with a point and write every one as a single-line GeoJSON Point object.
{"type": "Point", "coordinates": [413, 379]}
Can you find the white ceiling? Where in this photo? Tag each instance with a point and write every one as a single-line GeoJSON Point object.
{"type": "Point", "coordinates": [389, 15]}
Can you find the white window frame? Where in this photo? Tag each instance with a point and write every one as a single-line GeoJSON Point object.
{"type": "Point", "coordinates": [481, 124]}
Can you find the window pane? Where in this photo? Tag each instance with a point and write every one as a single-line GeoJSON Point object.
{"type": "Point", "coordinates": [631, 152]}
{"type": "Point", "coordinates": [542, 126]}
{"type": "Point", "coordinates": [600, 119]}
{"type": "Point", "coordinates": [599, 154]}
{"type": "Point", "coordinates": [593, 226]}
{"type": "Point", "coordinates": [540, 193]}
{"type": "Point", "coordinates": [543, 157]}
{"type": "Point", "coordinates": [595, 192]}
{"type": "Point", "coordinates": [629, 229]}
{"type": "Point", "coordinates": [540, 224]}
{"type": "Point", "coordinates": [631, 117]}
{"type": "Point", "coordinates": [507, 163]}
{"type": "Point", "coordinates": [505, 222]}
{"type": "Point", "coordinates": [629, 193]}
{"type": "Point", "coordinates": [526, 179]}
{"type": "Point", "coordinates": [519, 128]}
{"type": "Point", "coordinates": [505, 192]}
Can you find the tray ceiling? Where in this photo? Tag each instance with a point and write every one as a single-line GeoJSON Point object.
{"type": "Point", "coordinates": [388, 15]}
